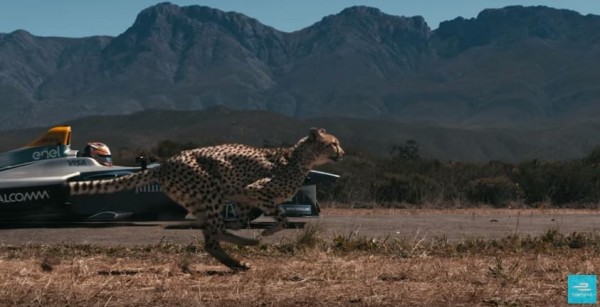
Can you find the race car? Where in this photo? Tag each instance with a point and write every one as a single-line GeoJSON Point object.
{"type": "Point", "coordinates": [32, 186]}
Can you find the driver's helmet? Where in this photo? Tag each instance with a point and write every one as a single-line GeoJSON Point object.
{"type": "Point", "coordinates": [99, 152]}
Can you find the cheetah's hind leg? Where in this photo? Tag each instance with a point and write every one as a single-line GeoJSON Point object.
{"type": "Point", "coordinates": [213, 248]}
{"type": "Point", "coordinates": [224, 235]}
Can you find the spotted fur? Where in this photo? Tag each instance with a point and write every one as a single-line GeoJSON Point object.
{"type": "Point", "coordinates": [203, 179]}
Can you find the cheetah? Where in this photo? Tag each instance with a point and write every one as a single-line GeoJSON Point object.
{"type": "Point", "coordinates": [203, 179]}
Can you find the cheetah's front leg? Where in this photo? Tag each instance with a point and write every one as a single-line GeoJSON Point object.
{"type": "Point", "coordinates": [213, 219]}
{"type": "Point", "coordinates": [213, 248]}
{"type": "Point", "coordinates": [263, 196]}
{"type": "Point", "coordinates": [281, 220]}
{"type": "Point", "coordinates": [269, 207]}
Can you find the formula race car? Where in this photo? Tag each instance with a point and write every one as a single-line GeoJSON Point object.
{"type": "Point", "coordinates": [32, 182]}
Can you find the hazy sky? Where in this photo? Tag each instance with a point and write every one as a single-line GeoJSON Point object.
{"type": "Point", "coordinates": [77, 18]}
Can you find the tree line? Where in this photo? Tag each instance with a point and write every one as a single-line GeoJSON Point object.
{"type": "Point", "coordinates": [406, 178]}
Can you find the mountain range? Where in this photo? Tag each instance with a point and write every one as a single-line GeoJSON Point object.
{"type": "Point", "coordinates": [509, 67]}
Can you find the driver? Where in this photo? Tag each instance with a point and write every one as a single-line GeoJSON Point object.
{"type": "Point", "coordinates": [99, 152]}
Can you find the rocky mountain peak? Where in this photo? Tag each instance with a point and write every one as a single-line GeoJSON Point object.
{"type": "Point", "coordinates": [534, 21]}
{"type": "Point", "coordinates": [361, 10]}
{"type": "Point", "coordinates": [509, 24]}
{"type": "Point", "coordinates": [20, 33]}
{"type": "Point", "coordinates": [371, 26]}
{"type": "Point", "coordinates": [20, 37]}
{"type": "Point", "coordinates": [364, 16]}
{"type": "Point", "coordinates": [167, 13]}
{"type": "Point", "coordinates": [165, 21]}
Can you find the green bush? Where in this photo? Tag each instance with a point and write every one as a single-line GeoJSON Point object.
{"type": "Point", "coordinates": [496, 191]}
{"type": "Point", "coordinates": [559, 183]}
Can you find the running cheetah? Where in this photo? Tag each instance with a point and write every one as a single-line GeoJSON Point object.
{"type": "Point", "coordinates": [203, 179]}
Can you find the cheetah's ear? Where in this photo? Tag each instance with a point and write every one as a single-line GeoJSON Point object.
{"type": "Point", "coordinates": [315, 133]}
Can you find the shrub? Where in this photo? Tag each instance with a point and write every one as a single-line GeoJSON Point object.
{"type": "Point", "coordinates": [493, 190]}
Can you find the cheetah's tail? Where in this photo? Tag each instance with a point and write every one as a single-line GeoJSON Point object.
{"type": "Point", "coordinates": [105, 186]}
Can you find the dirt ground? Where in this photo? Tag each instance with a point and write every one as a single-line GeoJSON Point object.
{"type": "Point", "coordinates": [146, 264]}
{"type": "Point", "coordinates": [394, 223]}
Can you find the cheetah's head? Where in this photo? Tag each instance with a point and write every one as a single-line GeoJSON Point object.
{"type": "Point", "coordinates": [325, 146]}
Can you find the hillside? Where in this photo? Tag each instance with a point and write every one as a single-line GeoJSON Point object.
{"type": "Point", "coordinates": [510, 67]}
{"type": "Point", "coordinates": [132, 134]}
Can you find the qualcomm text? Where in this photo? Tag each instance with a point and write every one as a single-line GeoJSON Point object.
{"type": "Point", "coordinates": [23, 196]}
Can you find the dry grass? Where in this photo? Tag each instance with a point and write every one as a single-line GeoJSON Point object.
{"type": "Point", "coordinates": [304, 271]}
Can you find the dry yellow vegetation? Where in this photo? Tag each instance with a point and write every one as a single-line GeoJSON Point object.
{"type": "Point", "coordinates": [305, 271]}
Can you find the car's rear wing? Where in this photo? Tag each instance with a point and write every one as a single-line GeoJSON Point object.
{"type": "Point", "coordinates": [57, 135]}
{"type": "Point", "coordinates": [55, 143]}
